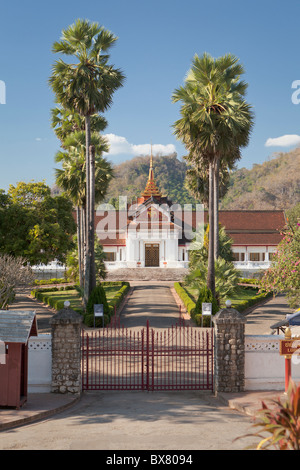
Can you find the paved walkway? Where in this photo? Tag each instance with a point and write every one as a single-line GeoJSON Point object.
{"type": "Point", "coordinates": [155, 301]}
{"type": "Point", "coordinates": [24, 301]}
{"type": "Point", "coordinates": [44, 405]}
{"type": "Point", "coordinates": [261, 318]}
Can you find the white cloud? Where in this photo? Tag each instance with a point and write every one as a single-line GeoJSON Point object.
{"type": "Point", "coordinates": [283, 141]}
{"type": "Point", "coordinates": [119, 145]}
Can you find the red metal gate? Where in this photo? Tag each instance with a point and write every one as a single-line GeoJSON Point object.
{"type": "Point", "coordinates": [177, 358]}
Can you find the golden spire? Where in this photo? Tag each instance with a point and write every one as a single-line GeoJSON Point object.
{"type": "Point", "coordinates": [151, 189]}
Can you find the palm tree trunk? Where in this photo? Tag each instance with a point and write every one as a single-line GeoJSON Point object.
{"type": "Point", "coordinates": [211, 260]}
{"type": "Point", "coordinates": [92, 218]}
{"type": "Point", "coordinates": [79, 243]}
{"type": "Point", "coordinates": [83, 245]}
{"type": "Point", "coordinates": [216, 208]}
{"type": "Point", "coordinates": [87, 289]}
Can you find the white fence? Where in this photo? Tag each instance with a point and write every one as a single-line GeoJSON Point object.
{"type": "Point", "coordinates": [39, 363]}
{"type": "Point", "coordinates": [264, 366]}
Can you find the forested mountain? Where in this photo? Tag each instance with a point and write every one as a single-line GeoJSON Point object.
{"type": "Point", "coordinates": [131, 178]}
{"type": "Point", "coordinates": [275, 184]}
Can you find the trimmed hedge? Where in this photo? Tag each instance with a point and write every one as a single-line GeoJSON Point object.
{"type": "Point", "coordinates": [58, 304]}
{"type": "Point", "coordinates": [242, 306]}
{"type": "Point", "coordinates": [250, 281]}
{"type": "Point", "coordinates": [117, 299]}
{"type": "Point", "coordinates": [186, 299]}
{"type": "Point", "coordinates": [113, 303]}
{"type": "Point", "coordinates": [190, 305]}
{"type": "Point", "coordinates": [44, 282]}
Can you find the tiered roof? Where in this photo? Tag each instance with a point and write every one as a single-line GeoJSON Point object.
{"type": "Point", "coordinates": [151, 190]}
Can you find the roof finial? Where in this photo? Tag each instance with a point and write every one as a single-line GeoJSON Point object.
{"type": "Point", "coordinates": [151, 157]}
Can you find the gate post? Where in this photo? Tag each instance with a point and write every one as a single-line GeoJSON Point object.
{"type": "Point", "coordinates": [229, 350]}
{"type": "Point", "coordinates": [66, 351]}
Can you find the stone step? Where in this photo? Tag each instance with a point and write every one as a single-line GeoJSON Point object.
{"type": "Point", "coordinates": [146, 274]}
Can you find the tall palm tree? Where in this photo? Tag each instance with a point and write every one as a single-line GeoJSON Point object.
{"type": "Point", "coordinates": [86, 87]}
{"type": "Point", "coordinates": [72, 179]}
{"type": "Point", "coordinates": [216, 122]}
{"type": "Point", "coordinates": [65, 124]}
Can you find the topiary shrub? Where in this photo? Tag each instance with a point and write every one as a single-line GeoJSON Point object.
{"type": "Point", "coordinates": [205, 296]}
{"type": "Point", "coordinates": [97, 296]}
{"type": "Point", "coordinates": [89, 320]}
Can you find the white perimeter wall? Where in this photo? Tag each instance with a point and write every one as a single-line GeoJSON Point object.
{"type": "Point", "coordinates": [264, 366]}
{"type": "Point", "coordinates": [39, 364]}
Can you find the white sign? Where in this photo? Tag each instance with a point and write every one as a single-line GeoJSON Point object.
{"type": "Point", "coordinates": [2, 352]}
{"type": "Point", "coordinates": [206, 309]}
{"type": "Point", "coordinates": [98, 310]}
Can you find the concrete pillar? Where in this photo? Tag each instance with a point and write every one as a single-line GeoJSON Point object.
{"type": "Point", "coordinates": [229, 351]}
{"type": "Point", "coordinates": [66, 351]}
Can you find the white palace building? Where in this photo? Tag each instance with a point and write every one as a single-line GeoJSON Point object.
{"type": "Point", "coordinates": [154, 232]}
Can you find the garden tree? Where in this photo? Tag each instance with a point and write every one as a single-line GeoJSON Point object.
{"type": "Point", "coordinates": [72, 179]}
{"type": "Point", "coordinates": [14, 272]}
{"type": "Point", "coordinates": [29, 194]}
{"type": "Point", "coordinates": [205, 296]}
{"type": "Point", "coordinates": [284, 274]}
{"type": "Point", "coordinates": [35, 224]}
{"type": "Point", "coordinates": [86, 87]}
{"type": "Point", "coordinates": [293, 215]}
{"type": "Point", "coordinates": [215, 123]}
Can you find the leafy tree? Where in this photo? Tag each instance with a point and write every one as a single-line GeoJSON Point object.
{"type": "Point", "coordinates": [36, 225]}
{"type": "Point", "coordinates": [284, 274]}
{"type": "Point", "coordinates": [29, 194]}
{"type": "Point", "coordinates": [293, 215]}
{"type": "Point", "coordinates": [13, 273]}
{"type": "Point", "coordinates": [205, 296]}
{"type": "Point", "coordinates": [87, 88]}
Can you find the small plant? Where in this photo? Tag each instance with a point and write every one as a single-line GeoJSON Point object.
{"type": "Point", "coordinates": [205, 296]}
{"type": "Point", "coordinates": [281, 422]}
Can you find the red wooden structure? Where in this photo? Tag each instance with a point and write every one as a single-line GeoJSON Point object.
{"type": "Point", "coordinates": [176, 358]}
{"type": "Point", "coordinates": [15, 329]}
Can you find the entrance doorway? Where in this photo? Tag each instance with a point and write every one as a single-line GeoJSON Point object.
{"type": "Point", "coordinates": [152, 255]}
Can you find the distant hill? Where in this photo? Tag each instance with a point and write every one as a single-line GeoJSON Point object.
{"type": "Point", "coordinates": [131, 178]}
{"type": "Point", "coordinates": [275, 184]}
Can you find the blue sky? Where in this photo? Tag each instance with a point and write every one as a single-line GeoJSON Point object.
{"type": "Point", "coordinates": [156, 45]}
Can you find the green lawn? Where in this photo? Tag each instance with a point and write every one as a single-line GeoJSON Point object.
{"type": "Point", "coordinates": [74, 298]}
{"type": "Point", "coordinates": [242, 295]}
